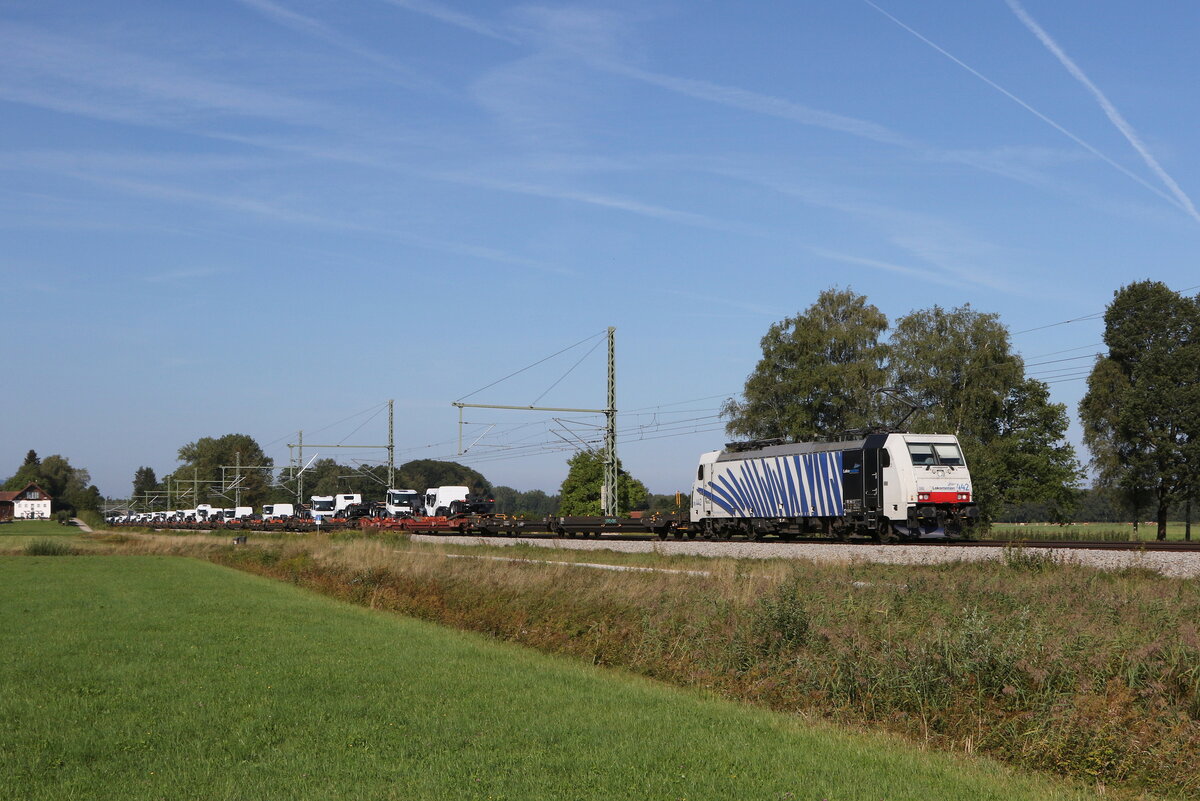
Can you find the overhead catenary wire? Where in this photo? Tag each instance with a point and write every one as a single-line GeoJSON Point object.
{"type": "Point", "coordinates": [363, 423]}
{"type": "Point", "coordinates": [637, 434]}
{"type": "Point", "coordinates": [1089, 316]}
{"type": "Point", "coordinates": [564, 375]}
{"type": "Point", "coordinates": [530, 366]}
{"type": "Point", "coordinates": [375, 408]}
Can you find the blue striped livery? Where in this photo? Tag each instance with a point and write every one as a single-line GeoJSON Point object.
{"type": "Point", "coordinates": [796, 485]}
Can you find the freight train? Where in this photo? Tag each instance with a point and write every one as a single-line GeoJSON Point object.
{"type": "Point", "coordinates": [884, 486]}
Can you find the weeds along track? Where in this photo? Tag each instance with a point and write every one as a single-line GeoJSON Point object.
{"type": "Point", "coordinates": [529, 534]}
{"type": "Point", "coordinates": [1170, 558]}
{"type": "Point", "coordinates": [1176, 562]}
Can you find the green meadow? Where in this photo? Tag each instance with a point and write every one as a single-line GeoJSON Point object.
{"type": "Point", "coordinates": [35, 528]}
{"type": "Point", "coordinates": [1088, 532]}
{"type": "Point", "coordinates": [131, 677]}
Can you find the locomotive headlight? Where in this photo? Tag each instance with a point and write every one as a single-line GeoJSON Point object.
{"type": "Point", "coordinates": [964, 496]}
{"type": "Point", "coordinates": [922, 496]}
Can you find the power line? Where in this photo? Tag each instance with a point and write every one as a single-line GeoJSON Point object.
{"type": "Point", "coordinates": [360, 425]}
{"type": "Point", "coordinates": [1092, 316]}
{"type": "Point", "coordinates": [1065, 350]}
{"type": "Point", "coordinates": [1068, 359]}
{"type": "Point", "coordinates": [564, 375]}
{"type": "Point", "coordinates": [530, 366]}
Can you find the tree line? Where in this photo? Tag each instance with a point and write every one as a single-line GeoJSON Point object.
{"type": "Point", "coordinates": [215, 470]}
{"type": "Point", "coordinates": [212, 469]}
{"type": "Point", "coordinates": [70, 488]}
{"type": "Point", "coordinates": [822, 372]}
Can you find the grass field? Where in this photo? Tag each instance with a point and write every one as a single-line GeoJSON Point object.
{"type": "Point", "coordinates": [36, 528]}
{"type": "Point", "coordinates": [150, 677]}
{"type": "Point", "coordinates": [20, 534]}
{"type": "Point", "coordinates": [1036, 661]}
{"type": "Point", "coordinates": [1101, 532]}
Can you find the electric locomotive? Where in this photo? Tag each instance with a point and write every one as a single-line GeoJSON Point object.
{"type": "Point", "coordinates": [887, 486]}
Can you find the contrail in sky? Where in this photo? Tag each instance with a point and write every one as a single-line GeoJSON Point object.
{"type": "Point", "coordinates": [1114, 116]}
{"type": "Point", "coordinates": [1172, 199]}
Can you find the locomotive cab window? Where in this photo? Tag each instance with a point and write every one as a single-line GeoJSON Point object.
{"type": "Point", "coordinates": [948, 454]}
{"type": "Point", "coordinates": [921, 453]}
{"type": "Point", "coordinates": [941, 453]}
{"type": "Point", "coordinates": [885, 458]}
{"type": "Point", "coordinates": [700, 473]}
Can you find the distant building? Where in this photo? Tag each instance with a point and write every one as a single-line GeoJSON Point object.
{"type": "Point", "coordinates": [31, 503]}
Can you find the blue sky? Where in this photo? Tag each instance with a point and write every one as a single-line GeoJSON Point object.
{"type": "Point", "coordinates": [260, 216]}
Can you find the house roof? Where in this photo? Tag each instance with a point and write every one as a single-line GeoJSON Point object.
{"type": "Point", "coordinates": [12, 496]}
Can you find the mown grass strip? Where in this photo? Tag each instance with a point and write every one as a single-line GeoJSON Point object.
{"type": "Point", "coordinates": [148, 677]}
{"type": "Point", "coordinates": [36, 528]}
{"type": "Point", "coordinates": [1087, 532]}
{"type": "Point", "coordinates": [1038, 662]}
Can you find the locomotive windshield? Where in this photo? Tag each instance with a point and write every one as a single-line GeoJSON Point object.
{"type": "Point", "coordinates": [935, 453]}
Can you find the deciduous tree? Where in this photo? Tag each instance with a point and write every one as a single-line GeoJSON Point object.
{"type": "Point", "coordinates": [817, 374]}
{"type": "Point", "coordinates": [421, 474]}
{"type": "Point", "coordinates": [1141, 413]}
{"type": "Point", "coordinates": [534, 503]}
{"type": "Point", "coordinates": [69, 487]}
{"type": "Point", "coordinates": [580, 491]}
{"type": "Point", "coordinates": [957, 365]}
{"type": "Point", "coordinates": [203, 460]}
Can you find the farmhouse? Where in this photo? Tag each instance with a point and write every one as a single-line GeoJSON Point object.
{"type": "Point", "coordinates": [33, 502]}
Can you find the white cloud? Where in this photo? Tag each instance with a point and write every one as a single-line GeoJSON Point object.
{"type": "Point", "coordinates": [453, 17]}
{"type": "Point", "coordinates": [1114, 116]}
{"type": "Point", "coordinates": [77, 77]}
{"type": "Point", "coordinates": [179, 276]}
{"type": "Point", "coordinates": [1028, 107]}
{"type": "Point", "coordinates": [307, 25]}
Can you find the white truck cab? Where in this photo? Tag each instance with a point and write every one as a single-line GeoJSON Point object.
{"type": "Point", "coordinates": [272, 510]}
{"type": "Point", "coordinates": [403, 503]}
{"type": "Point", "coordinates": [322, 506]}
{"type": "Point", "coordinates": [440, 501]}
{"type": "Point", "coordinates": [344, 500]}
